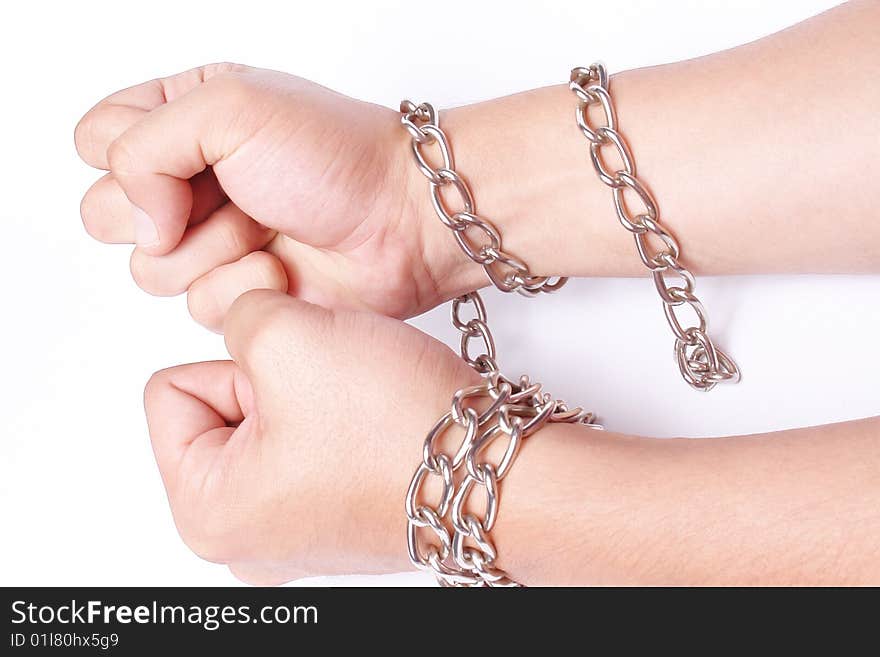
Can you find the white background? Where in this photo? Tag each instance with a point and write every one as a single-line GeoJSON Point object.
{"type": "Point", "coordinates": [80, 497]}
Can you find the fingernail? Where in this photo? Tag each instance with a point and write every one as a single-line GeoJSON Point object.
{"type": "Point", "coordinates": [145, 233]}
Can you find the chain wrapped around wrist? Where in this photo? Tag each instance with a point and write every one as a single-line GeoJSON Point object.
{"type": "Point", "coordinates": [458, 547]}
{"type": "Point", "coordinates": [464, 554]}
{"type": "Point", "coordinates": [507, 272]}
{"type": "Point", "coordinates": [445, 537]}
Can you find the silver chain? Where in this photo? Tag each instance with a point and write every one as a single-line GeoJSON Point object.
{"type": "Point", "coordinates": [506, 271]}
{"type": "Point", "coordinates": [465, 554]}
{"type": "Point", "coordinates": [702, 363]}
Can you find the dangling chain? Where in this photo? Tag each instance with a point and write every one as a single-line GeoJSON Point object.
{"type": "Point", "coordinates": [465, 556]}
{"type": "Point", "coordinates": [702, 364]}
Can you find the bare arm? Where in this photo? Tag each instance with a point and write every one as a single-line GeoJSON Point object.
{"type": "Point", "coordinates": [265, 473]}
{"type": "Point", "coordinates": [762, 158]}
{"type": "Point", "coordinates": [793, 507]}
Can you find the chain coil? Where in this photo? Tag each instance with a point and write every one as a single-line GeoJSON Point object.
{"type": "Point", "coordinates": [460, 551]}
{"type": "Point", "coordinates": [444, 537]}
{"type": "Point", "coordinates": [477, 236]}
{"type": "Point", "coordinates": [702, 364]}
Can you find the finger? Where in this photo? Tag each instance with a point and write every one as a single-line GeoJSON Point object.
{"type": "Point", "coordinates": [210, 296]}
{"type": "Point", "coordinates": [260, 322]}
{"type": "Point", "coordinates": [106, 210]}
{"type": "Point", "coordinates": [224, 237]}
{"type": "Point", "coordinates": [155, 157]}
{"type": "Point", "coordinates": [191, 412]}
{"type": "Point", "coordinates": [111, 117]}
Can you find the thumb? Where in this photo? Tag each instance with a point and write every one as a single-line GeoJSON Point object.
{"type": "Point", "coordinates": [154, 158]}
{"type": "Point", "coordinates": [264, 329]}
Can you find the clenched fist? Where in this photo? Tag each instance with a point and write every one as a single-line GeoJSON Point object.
{"type": "Point", "coordinates": [293, 459]}
{"type": "Point", "coordinates": [230, 178]}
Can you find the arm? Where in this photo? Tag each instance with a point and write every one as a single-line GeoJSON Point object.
{"type": "Point", "coordinates": [762, 159]}
{"type": "Point", "coordinates": [792, 507]}
{"type": "Point", "coordinates": [295, 461]}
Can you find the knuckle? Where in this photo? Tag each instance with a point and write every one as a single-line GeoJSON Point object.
{"type": "Point", "coordinates": [217, 68]}
{"type": "Point", "coordinates": [89, 211]}
{"type": "Point", "coordinates": [231, 237]}
{"type": "Point", "coordinates": [120, 156]}
{"type": "Point", "coordinates": [83, 134]}
{"type": "Point", "coordinates": [271, 318]}
{"type": "Point", "coordinates": [253, 307]}
{"type": "Point", "coordinates": [231, 84]}
{"type": "Point", "coordinates": [149, 277]}
{"type": "Point", "coordinates": [255, 320]}
{"type": "Point", "coordinates": [267, 326]}
{"type": "Point", "coordinates": [157, 382]}
{"type": "Point", "coordinates": [268, 271]}
{"type": "Point", "coordinates": [202, 304]}
{"type": "Point", "coordinates": [205, 514]}
{"type": "Point", "coordinates": [95, 214]}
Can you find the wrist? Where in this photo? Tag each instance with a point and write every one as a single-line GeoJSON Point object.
{"type": "Point", "coordinates": [562, 501]}
{"type": "Point", "coordinates": [415, 410]}
{"type": "Point", "coordinates": [529, 170]}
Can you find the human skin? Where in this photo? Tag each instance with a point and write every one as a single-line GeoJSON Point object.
{"type": "Point", "coordinates": [798, 507]}
{"type": "Point", "coordinates": [256, 178]}
{"type": "Point", "coordinates": [293, 461]}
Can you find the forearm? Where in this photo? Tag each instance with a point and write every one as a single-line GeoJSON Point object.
{"type": "Point", "coordinates": [762, 159]}
{"type": "Point", "coordinates": [794, 507]}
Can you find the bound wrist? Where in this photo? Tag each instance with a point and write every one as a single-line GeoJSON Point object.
{"type": "Point", "coordinates": [528, 172]}
{"type": "Point", "coordinates": [383, 537]}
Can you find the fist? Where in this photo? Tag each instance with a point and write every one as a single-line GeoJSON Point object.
{"type": "Point", "coordinates": [230, 178]}
{"type": "Point", "coordinates": [293, 459]}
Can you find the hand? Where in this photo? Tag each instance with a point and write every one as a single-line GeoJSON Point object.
{"type": "Point", "coordinates": [294, 459]}
{"type": "Point", "coordinates": [231, 178]}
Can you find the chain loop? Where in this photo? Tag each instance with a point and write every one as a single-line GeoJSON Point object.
{"type": "Point", "coordinates": [611, 136]}
{"type": "Point", "coordinates": [653, 261]}
{"type": "Point", "coordinates": [478, 329]}
{"type": "Point", "coordinates": [472, 298]}
{"type": "Point", "coordinates": [434, 136]}
{"type": "Point", "coordinates": [684, 297]}
{"type": "Point", "coordinates": [595, 92]}
{"type": "Point", "coordinates": [666, 291]}
{"type": "Point", "coordinates": [465, 555]}
{"type": "Point", "coordinates": [444, 471]}
{"type": "Point", "coordinates": [449, 177]}
{"type": "Point", "coordinates": [471, 422]}
{"type": "Point", "coordinates": [487, 478]}
{"type": "Point", "coordinates": [627, 220]}
{"type": "Point", "coordinates": [479, 253]}
{"type": "Point", "coordinates": [423, 126]}
{"type": "Point", "coordinates": [701, 362]}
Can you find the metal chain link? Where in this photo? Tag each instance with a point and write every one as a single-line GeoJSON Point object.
{"type": "Point", "coordinates": [478, 238]}
{"type": "Point", "coordinates": [458, 548]}
{"type": "Point", "coordinates": [464, 554]}
{"type": "Point", "coordinates": [702, 363]}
